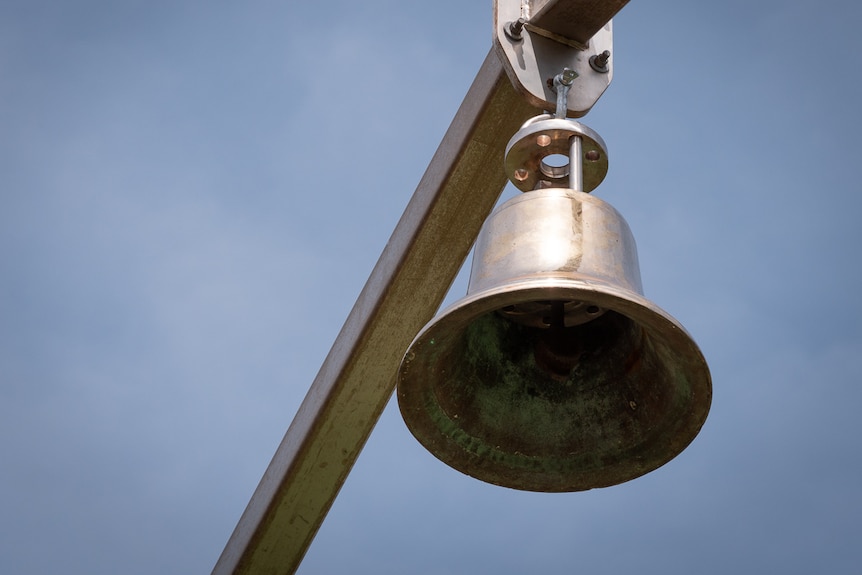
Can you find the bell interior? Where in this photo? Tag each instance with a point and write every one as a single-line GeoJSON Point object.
{"type": "Point", "coordinates": [552, 408]}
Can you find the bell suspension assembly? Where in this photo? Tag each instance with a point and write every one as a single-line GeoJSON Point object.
{"type": "Point", "coordinates": [554, 373]}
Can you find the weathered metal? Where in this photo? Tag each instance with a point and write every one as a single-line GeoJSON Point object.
{"type": "Point", "coordinates": [408, 283]}
{"type": "Point", "coordinates": [577, 20]}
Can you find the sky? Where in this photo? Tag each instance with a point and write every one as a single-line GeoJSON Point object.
{"type": "Point", "coordinates": [192, 195]}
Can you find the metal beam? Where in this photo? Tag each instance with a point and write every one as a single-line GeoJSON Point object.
{"type": "Point", "coordinates": [408, 284]}
{"type": "Point", "coordinates": [577, 20]}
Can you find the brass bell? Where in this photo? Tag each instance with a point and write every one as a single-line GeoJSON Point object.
{"type": "Point", "coordinates": [554, 373]}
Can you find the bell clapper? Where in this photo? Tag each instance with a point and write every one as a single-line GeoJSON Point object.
{"type": "Point", "coordinates": [553, 351]}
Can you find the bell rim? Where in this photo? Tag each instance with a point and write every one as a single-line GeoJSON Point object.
{"type": "Point", "coordinates": [631, 304]}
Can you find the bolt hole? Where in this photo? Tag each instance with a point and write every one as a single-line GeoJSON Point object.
{"type": "Point", "coordinates": [593, 309]}
{"type": "Point", "coordinates": [521, 174]}
{"type": "Point", "coordinates": [555, 166]}
{"type": "Point", "coordinates": [593, 156]}
{"type": "Point", "coordinates": [543, 140]}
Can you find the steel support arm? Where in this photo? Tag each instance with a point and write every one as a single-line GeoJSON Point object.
{"type": "Point", "coordinates": [408, 283]}
{"type": "Point", "coordinates": [577, 20]}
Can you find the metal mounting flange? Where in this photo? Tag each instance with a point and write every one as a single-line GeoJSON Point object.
{"type": "Point", "coordinates": [527, 153]}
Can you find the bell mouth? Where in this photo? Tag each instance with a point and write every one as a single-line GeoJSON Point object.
{"type": "Point", "coordinates": [559, 407]}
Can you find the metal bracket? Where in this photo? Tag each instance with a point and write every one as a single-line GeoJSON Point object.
{"type": "Point", "coordinates": [533, 51]}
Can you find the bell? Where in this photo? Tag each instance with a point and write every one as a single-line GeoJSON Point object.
{"type": "Point", "coordinates": [554, 373]}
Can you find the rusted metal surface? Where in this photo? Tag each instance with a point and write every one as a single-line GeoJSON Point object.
{"type": "Point", "coordinates": [408, 283]}
{"type": "Point", "coordinates": [576, 20]}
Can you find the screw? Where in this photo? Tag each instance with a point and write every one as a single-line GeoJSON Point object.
{"type": "Point", "coordinates": [513, 29]}
{"type": "Point", "coordinates": [599, 62]}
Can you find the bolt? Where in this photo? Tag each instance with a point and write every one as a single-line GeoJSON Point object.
{"type": "Point", "coordinates": [567, 78]}
{"type": "Point", "coordinates": [513, 29]}
{"type": "Point", "coordinates": [562, 82]}
{"type": "Point", "coordinates": [599, 62]}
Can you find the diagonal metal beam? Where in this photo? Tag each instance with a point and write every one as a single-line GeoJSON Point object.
{"type": "Point", "coordinates": [408, 284]}
{"type": "Point", "coordinates": [577, 20]}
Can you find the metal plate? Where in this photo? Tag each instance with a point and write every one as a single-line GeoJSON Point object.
{"type": "Point", "coordinates": [534, 59]}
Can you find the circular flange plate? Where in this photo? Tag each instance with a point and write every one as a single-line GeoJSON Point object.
{"type": "Point", "coordinates": [527, 165]}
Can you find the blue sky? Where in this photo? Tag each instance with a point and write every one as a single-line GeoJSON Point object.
{"type": "Point", "coordinates": [192, 195]}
